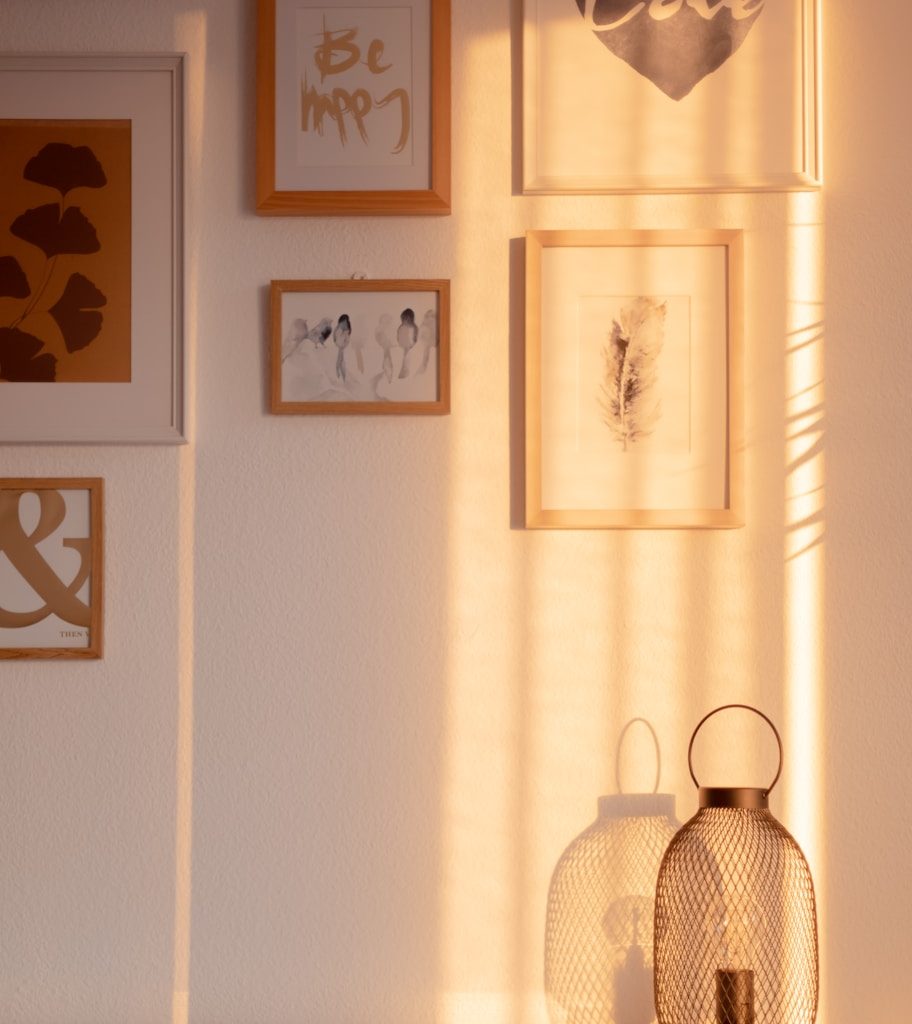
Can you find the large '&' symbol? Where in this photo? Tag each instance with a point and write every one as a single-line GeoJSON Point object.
{"type": "Point", "coordinates": [673, 43]}
{"type": "Point", "coordinates": [21, 549]}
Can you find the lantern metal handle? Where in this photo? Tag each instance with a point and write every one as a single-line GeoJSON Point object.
{"type": "Point", "coordinates": [726, 707]}
{"type": "Point", "coordinates": [617, 758]}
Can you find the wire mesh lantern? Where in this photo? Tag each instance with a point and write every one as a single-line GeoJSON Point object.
{"type": "Point", "coordinates": [599, 921]}
{"type": "Point", "coordinates": [735, 916]}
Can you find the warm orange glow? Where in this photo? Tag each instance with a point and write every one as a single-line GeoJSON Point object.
{"type": "Point", "coordinates": [805, 533]}
{"type": "Point", "coordinates": [564, 636]}
{"type": "Point", "coordinates": [481, 799]}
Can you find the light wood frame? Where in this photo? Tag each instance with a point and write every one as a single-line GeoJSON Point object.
{"type": "Point", "coordinates": [149, 90]}
{"type": "Point", "coordinates": [438, 406]}
{"type": "Point", "coordinates": [95, 487]}
{"type": "Point", "coordinates": [435, 199]}
{"type": "Point", "coordinates": [729, 513]}
{"type": "Point", "coordinates": [648, 170]}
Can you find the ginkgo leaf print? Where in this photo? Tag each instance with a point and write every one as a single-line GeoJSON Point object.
{"type": "Point", "coordinates": [76, 312]}
{"type": "Point", "coordinates": [13, 282]}
{"type": "Point", "coordinates": [65, 250]}
{"type": "Point", "coordinates": [21, 359]}
{"type": "Point", "coordinates": [65, 167]}
{"type": "Point", "coordinates": [628, 399]}
{"type": "Point", "coordinates": [55, 233]}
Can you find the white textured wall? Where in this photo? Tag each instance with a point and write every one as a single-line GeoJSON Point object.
{"type": "Point", "coordinates": [401, 708]}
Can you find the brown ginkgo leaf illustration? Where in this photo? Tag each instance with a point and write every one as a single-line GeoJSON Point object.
{"type": "Point", "coordinates": [19, 358]}
{"type": "Point", "coordinates": [54, 233]}
{"type": "Point", "coordinates": [13, 282]}
{"type": "Point", "coordinates": [65, 167]}
{"type": "Point", "coordinates": [76, 312]}
{"type": "Point", "coordinates": [56, 229]}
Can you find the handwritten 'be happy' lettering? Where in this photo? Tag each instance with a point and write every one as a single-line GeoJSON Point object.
{"type": "Point", "coordinates": [342, 41]}
{"type": "Point", "coordinates": [337, 53]}
{"type": "Point", "coordinates": [621, 11]}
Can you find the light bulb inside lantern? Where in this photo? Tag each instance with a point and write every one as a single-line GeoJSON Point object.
{"type": "Point", "coordinates": [737, 924]}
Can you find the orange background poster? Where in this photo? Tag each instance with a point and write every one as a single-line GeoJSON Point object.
{"type": "Point", "coordinates": [65, 219]}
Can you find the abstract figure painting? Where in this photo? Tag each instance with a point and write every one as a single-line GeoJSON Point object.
{"type": "Point", "coordinates": [343, 347]}
{"type": "Point", "coordinates": [91, 276]}
{"type": "Point", "coordinates": [670, 95]}
{"type": "Point", "coordinates": [50, 568]}
{"type": "Point", "coordinates": [353, 107]}
{"type": "Point", "coordinates": [65, 238]}
{"type": "Point", "coordinates": [633, 379]}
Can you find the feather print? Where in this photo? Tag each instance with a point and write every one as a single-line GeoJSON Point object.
{"type": "Point", "coordinates": [629, 403]}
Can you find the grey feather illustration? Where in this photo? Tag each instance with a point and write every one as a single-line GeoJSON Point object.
{"type": "Point", "coordinates": [630, 406]}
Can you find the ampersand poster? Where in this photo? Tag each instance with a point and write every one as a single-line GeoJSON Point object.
{"type": "Point", "coordinates": [50, 568]}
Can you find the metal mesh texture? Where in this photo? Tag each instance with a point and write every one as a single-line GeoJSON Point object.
{"type": "Point", "coordinates": [735, 893]}
{"type": "Point", "coordinates": [599, 922]}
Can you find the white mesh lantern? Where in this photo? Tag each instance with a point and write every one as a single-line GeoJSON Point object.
{"type": "Point", "coordinates": [599, 922]}
{"type": "Point", "coordinates": [735, 915]}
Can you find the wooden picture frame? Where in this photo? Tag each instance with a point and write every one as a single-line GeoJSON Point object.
{"type": "Point", "coordinates": [358, 121]}
{"type": "Point", "coordinates": [100, 138]}
{"type": "Point", "coordinates": [51, 572]}
{"type": "Point", "coordinates": [633, 379]}
{"type": "Point", "coordinates": [671, 96]}
{"type": "Point", "coordinates": [360, 347]}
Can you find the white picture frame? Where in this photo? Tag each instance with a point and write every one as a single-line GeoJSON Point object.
{"type": "Point", "coordinates": [148, 91]}
{"type": "Point", "coordinates": [633, 379]}
{"type": "Point", "coordinates": [595, 123]}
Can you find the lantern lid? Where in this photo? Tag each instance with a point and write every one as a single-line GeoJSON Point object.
{"type": "Point", "coordinates": [743, 797]}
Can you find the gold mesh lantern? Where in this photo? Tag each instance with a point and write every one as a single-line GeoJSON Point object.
{"type": "Point", "coordinates": [599, 921]}
{"type": "Point", "coordinates": [735, 916]}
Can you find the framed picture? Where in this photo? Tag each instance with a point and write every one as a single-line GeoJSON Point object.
{"type": "Point", "coordinates": [671, 95]}
{"type": "Point", "coordinates": [353, 107]}
{"type": "Point", "coordinates": [360, 347]}
{"type": "Point", "coordinates": [51, 568]}
{"type": "Point", "coordinates": [91, 249]}
{"type": "Point", "coordinates": [633, 379]}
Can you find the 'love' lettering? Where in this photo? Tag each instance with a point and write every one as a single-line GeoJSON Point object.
{"type": "Point", "coordinates": [614, 13]}
{"type": "Point", "coordinates": [673, 43]}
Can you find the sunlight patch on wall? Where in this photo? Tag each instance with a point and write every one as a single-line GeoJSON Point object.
{"type": "Point", "coordinates": [611, 652]}
{"type": "Point", "coordinates": [805, 530]}
{"type": "Point", "coordinates": [480, 809]}
{"type": "Point", "coordinates": [486, 654]}
{"type": "Point", "coordinates": [566, 727]}
{"type": "Point", "coordinates": [558, 638]}
{"type": "Point", "coordinates": [190, 37]}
